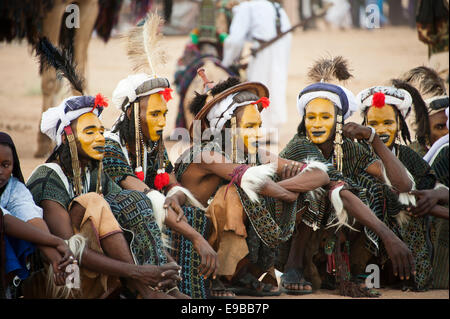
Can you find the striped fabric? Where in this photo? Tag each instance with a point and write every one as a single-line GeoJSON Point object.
{"type": "Point", "coordinates": [357, 158]}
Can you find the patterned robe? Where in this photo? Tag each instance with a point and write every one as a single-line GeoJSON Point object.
{"type": "Point", "coordinates": [374, 194]}
{"type": "Point", "coordinates": [118, 165]}
{"type": "Point", "coordinates": [132, 210]}
{"type": "Point", "coordinates": [271, 222]}
{"type": "Point", "coordinates": [441, 238]}
{"type": "Point", "coordinates": [417, 232]}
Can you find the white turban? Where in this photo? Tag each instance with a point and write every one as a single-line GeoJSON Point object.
{"type": "Point", "coordinates": [127, 92]}
{"type": "Point", "coordinates": [337, 94]}
{"type": "Point", "coordinates": [55, 119]}
{"type": "Point", "coordinates": [223, 111]}
{"type": "Point", "coordinates": [399, 98]}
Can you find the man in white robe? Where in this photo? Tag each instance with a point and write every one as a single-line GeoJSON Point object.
{"type": "Point", "coordinates": [256, 21]}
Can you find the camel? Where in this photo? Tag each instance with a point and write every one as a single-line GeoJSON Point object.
{"type": "Point", "coordinates": [48, 18]}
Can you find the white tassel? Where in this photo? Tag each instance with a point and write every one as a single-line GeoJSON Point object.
{"type": "Point", "coordinates": [254, 178]}
{"type": "Point", "coordinates": [341, 213]}
{"type": "Point", "coordinates": [402, 218]}
{"type": "Point", "coordinates": [404, 198]}
{"type": "Point", "coordinates": [159, 212]}
{"type": "Point", "coordinates": [313, 164]}
{"type": "Point", "coordinates": [190, 197]}
{"type": "Point", "coordinates": [77, 244]}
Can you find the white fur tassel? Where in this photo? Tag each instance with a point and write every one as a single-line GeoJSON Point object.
{"type": "Point", "coordinates": [190, 197]}
{"type": "Point", "coordinates": [404, 198]}
{"type": "Point", "coordinates": [341, 213]}
{"type": "Point", "coordinates": [159, 212]}
{"type": "Point", "coordinates": [254, 178]}
{"type": "Point", "coordinates": [313, 164]}
{"type": "Point", "coordinates": [77, 244]}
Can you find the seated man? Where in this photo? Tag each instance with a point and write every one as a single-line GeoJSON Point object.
{"type": "Point", "coordinates": [386, 109]}
{"type": "Point", "coordinates": [136, 159]}
{"type": "Point", "coordinates": [78, 198]}
{"type": "Point", "coordinates": [357, 175]}
{"type": "Point", "coordinates": [23, 223]}
{"type": "Point", "coordinates": [145, 166]}
{"type": "Point", "coordinates": [253, 216]}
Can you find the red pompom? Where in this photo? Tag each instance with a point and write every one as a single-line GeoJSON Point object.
{"type": "Point", "coordinates": [264, 101]}
{"type": "Point", "coordinates": [100, 101]}
{"type": "Point", "coordinates": [167, 94]}
{"type": "Point", "coordinates": [139, 173]}
{"type": "Point", "coordinates": [378, 99]}
{"type": "Point", "coordinates": [161, 180]}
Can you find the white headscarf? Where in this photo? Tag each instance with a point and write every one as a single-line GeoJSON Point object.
{"type": "Point", "coordinates": [221, 112]}
{"type": "Point", "coordinates": [304, 99]}
{"type": "Point", "coordinates": [127, 89]}
{"type": "Point", "coordinates": [55, 119]}
{"type": "Point", "coordinates": [399, 98]}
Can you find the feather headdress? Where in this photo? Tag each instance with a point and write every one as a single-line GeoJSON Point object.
{"type": "Point", "coordinates": [426, 80]}
{"type": "Point", "coordinates": [143, 45]}
{"type": "Point", "coordinates": [61, 60]}
{"type": "Point", "coordinates": [330, 70]}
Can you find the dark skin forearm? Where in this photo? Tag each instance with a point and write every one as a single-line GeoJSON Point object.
{"type": "Point", "coordinates": [395, 170]}
{"type": "Point", "coordinates": [306, 181]}
{"type": "Point", "coordinates": [439, 212]}
{"type": "Point", "coordinates": [400, 255]}
{"type": "Point", "coordinates": [26, 231]}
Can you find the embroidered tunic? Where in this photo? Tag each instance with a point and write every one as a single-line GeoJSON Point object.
{"type": "Point", "coordinates": [132, 209]}
{"type": "Point", "coordinates": [319, 213]}
{"type": "Point", "coordinates": [118, 164]}
{"type": "Point", "coordinates": [271, 222]}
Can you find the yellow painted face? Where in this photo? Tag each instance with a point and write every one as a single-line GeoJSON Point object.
{"type": "Point", "coordinates": [153, 112]}
{"type": "Point", "coordinates": [320, 120]}
{"type": "Point", "coordinates": [384, 121]}
{"type": "Point", "coordinates": [249, 123]}
{"type": "Point", "coordinates": [89, 133]}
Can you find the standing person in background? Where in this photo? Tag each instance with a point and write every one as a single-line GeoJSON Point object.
{"type": "Point", "coordinates": [260, 21]}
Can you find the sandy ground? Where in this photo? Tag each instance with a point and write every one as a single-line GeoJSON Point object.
{"type": "Point", "coordinates": [375, 57]}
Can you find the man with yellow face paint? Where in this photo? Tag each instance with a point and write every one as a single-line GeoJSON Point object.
{"type": "Point", "coordinates": [357, 191]}
{"type": "Point", "coordinates": [83, 205]}
{"type": "Point", "coordinates": [145, 166]}
{"type": "Point", "coordinates": [256, 211]}
{"type": "Point", "coordinates": [136, 159]}
{"type": "Point", "coordinates": [386, 109]}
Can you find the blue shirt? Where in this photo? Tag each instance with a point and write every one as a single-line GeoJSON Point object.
{"type": "Point", "coordinates": [17, 201]}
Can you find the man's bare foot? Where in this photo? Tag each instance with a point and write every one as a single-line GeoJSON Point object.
{"type": "Point", "coordinates": [146, 292]}
{"type": "Point", "coordinates": [294, 283]}
{"type": "Point", "coordinates": [219, 291]}
{"type": "Point", "coordinates": [177, 294]}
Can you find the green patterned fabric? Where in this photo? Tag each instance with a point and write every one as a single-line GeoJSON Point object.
{"type": "Point", "coordinates": [115, 163]}
{"type": "Point", "coordinates": [357, 158]}
{"type": "Point", "coordinates": [270, 222]}
{"type": "Point", "coordinates": [132, 210]}
{"type": "Point", "coordinates": [192, 283]}
{"type": "Point", "coordinates": [441, 237]}
{"type": "Point", "coordinates": [417, 232]}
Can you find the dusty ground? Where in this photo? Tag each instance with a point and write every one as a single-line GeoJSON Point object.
{"type": "Point", "coordinates": [375, 57]}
